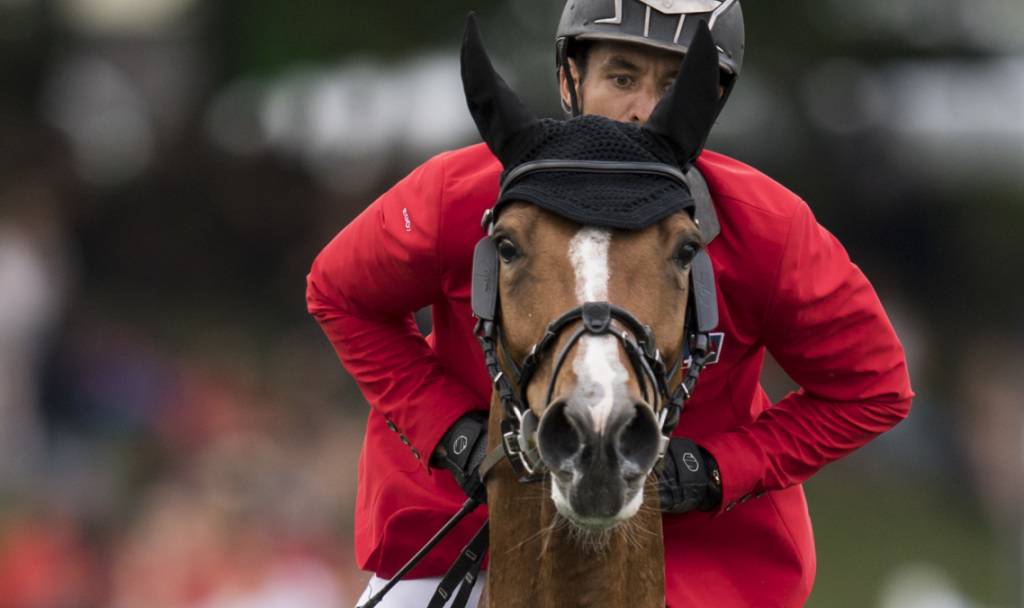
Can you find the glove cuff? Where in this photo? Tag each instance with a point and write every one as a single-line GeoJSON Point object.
{"type": "Point", "coordinates": [691, 480]}
{"type": "Point", "coordinates": [458, 444]}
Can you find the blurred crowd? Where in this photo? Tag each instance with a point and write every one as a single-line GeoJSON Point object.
{"type": "Point", "coordinates": [147, 461]}
{"type": "Point", "coordinates": [175, 432]}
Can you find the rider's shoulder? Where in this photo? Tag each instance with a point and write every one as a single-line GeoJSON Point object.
{"type": "Point", "coordinates": [454, 177]}
{"type": "Point", "coordinates": [739, 185]}
{"type": "Point", "coordinates": [467, 170]}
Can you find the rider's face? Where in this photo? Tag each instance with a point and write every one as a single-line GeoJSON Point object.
{"type": "Point", "coordinates": [624, 81]}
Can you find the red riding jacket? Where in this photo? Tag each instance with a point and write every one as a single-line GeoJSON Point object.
{"type": "Point", "coordinates": [784, 283]}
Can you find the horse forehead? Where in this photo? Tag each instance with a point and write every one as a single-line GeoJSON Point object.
{"type": "Point", "coordinates": [537, 221]}
{"type": "Point", "coordinates": [602, 257]}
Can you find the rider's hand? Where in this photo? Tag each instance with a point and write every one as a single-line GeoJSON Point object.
{"type": "Point", "coordinates": [689, 479]}
{"type": "Point", "coordinates": [461, 451]}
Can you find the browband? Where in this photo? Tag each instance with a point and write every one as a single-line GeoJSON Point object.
{"type": "Point", "coordinates": [592, 166]}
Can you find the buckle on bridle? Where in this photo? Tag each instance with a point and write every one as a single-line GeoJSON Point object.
{"type": "Point", "coordinates": [510, 441]}
{"type": "Point", "coordinates": [512, 444]}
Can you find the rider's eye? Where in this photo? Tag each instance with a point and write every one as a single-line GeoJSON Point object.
{"type": "Point", "coordinates": [684, 255]}
{"type": "Point", "coordinates": [507, 250]}
{"type": "Point", "coordinates": [623, 81]}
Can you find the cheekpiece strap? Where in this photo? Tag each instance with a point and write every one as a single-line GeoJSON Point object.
{"type": "Point", "coordinates": [484, 295]}
{"type": "Point", "coordinates": [704, 206]}
{"type": "Point", "coordinates": [705, 299]}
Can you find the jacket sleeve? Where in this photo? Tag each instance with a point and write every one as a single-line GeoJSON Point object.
{"type": "Point", "coordinates": [826, 328]}
{"type": "Point", "coordinates": [364, 288]}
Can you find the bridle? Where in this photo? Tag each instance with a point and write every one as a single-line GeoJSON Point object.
{"type": "Point", "coordinates": [519, 425]}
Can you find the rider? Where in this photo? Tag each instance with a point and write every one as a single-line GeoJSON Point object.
{"type": "Point", "coordinates": [784, 284]}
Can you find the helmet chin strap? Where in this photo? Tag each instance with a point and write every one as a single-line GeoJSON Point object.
{"type": "Point", "coordinates": [571, 84]}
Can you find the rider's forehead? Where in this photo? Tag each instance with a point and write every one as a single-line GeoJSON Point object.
{"type": "Point", "coordinates": [610, 52]}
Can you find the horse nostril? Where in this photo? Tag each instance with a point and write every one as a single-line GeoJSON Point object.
{"type": "Point", "coordinates": [558, 438]}
{"type": "Point", "coordinates": [637, 441]}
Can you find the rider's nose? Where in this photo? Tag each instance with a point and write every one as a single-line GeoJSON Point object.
{"type": "Point", "coordinates": [644, 105]}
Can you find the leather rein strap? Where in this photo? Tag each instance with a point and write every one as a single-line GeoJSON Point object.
{"type": "Point", "coordinates": [463, 573]}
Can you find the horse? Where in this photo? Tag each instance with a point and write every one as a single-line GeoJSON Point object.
{"type": "Point", "coordinates": [586, 314]}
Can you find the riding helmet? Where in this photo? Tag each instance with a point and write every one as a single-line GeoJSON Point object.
{"type": "Point", "coordinates": [663, 24]}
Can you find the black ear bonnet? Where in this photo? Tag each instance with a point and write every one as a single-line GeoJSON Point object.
{"type": "Point", "coordinates": [590, 169]}
{"type": "Point", "coordinates": [609, 199]}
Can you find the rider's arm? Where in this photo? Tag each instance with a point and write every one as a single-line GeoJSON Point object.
{"type": "Point", "coordinates": [363, 289]}
{"type": "Point", "coordinates": [826, 328]}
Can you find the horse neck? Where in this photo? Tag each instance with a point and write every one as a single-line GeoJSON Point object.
{"type": "Point", "coordinates": [537, 561]}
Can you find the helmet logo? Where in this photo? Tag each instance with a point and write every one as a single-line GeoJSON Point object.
{"type": "Point", "coordinates": [682, 7]}
{"type": "Point", "coordinates": [668, 7]}
{"type": "Point", "coordinates": [617, 19]}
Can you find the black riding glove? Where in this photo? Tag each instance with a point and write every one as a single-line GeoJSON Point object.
{"type": "Point", "coordinates": [689, 479]}
{"type": "Point", "coordinates": [461, 451]}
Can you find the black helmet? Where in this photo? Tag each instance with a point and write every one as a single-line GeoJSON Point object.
{"type": "Point", "coordinates": [664, 24]}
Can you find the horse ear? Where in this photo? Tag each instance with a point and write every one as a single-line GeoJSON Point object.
{"type": "Point", "coordinates": [685, 115]}
{"type": "Point", "coordinates": [499, 114]}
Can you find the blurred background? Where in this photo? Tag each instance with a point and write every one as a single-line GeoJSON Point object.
{"type": "Point", "coordinates": [175, 431]}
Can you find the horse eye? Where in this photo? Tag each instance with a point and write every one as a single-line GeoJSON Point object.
{"type": "Point", "coordinates": [685, 253]}
{"type": "Point", "coordinates": [507, 250]}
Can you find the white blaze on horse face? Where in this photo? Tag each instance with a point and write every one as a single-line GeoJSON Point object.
{"type": "Point", "coordinates": [588, 251]}
{"type": "Point", "coordinates": [599, 371]}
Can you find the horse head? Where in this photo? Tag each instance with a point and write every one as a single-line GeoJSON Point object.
{"type": "Point", "coordinates": [592, 240]}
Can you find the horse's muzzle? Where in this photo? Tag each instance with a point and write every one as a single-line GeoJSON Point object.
{"type": "Point", "coordinates": [598, 473]}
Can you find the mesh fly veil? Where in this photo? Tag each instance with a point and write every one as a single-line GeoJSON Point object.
{"type": "Point", "coordinates": [630, 201]}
